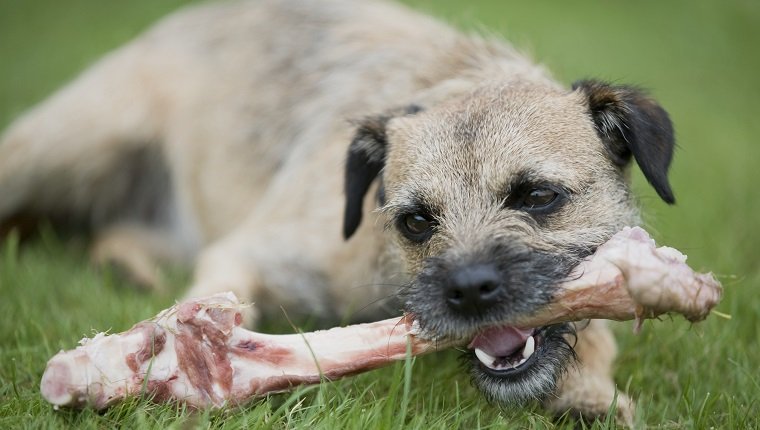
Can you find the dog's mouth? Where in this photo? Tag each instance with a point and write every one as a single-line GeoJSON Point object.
{"type": "Point", "coordinates": [506, 350]}
{"type": "Point", "coordinates": [511, 365]}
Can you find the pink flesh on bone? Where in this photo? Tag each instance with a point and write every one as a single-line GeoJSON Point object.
{"type": "Point", "coordinates": [628, 277]}
{"type": "Point", "coordinates": [196, 352]}
{"type": "Point", "coordinates": [501, 341]}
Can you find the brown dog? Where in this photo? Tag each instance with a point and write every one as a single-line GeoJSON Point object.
{"type": "Point", "coordinates": [237, 136]}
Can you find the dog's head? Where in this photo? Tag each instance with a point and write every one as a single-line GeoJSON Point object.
{"type": "Point", "coordinates": [493, 197]}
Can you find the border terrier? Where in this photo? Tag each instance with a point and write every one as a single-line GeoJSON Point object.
{"type": "Point", "coordinates": [236, 136]}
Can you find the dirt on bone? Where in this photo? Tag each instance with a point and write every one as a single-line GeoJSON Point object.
{"type": "Point", "coordinates": [197, 353]}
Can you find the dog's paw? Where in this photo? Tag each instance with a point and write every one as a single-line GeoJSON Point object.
{"type": "Point", "coordinates": [251, 317]}
{"type": "Point", "coordinates": [594, 400]}
{"type": "Point", "coordinates": [249, 312]}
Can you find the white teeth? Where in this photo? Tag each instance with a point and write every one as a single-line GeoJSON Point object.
{"type": "Point", "coordinates": [485, 358]}
{"type": "Point", "coordinates": [530, 346]}
{"type": "Point", "coordinates": [491, 362]}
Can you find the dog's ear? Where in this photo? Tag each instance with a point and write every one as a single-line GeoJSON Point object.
{"type": "Point", "coordinates": [366, 158]}
{"type": "Point", "coordinates": [629, 122]}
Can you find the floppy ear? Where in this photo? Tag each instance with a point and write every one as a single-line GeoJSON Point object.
{"type": "Point", "coordinates": [366, 157]}
{"type": "Point", "coordinates": [629, 123]}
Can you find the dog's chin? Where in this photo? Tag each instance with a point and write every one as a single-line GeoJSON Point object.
{"type": "Point", "coordinates": [530, 372]}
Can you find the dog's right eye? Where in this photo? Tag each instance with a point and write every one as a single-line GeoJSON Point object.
{"type": "Point", "coordinates": [416, 227]}
{"type": "Point", "coordinates": [539, 198]}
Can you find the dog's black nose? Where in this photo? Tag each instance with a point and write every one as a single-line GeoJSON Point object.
{"type": "Point", "coordinates": [473, 289]}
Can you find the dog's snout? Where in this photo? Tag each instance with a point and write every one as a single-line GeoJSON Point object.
{"type": "Point", "coordinates": [473, 289]}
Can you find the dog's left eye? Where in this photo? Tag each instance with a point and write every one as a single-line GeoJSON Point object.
{"type": "Point", "coordinates": [539, 198]}
{"type": "Point", "coordinates": [416, 227]}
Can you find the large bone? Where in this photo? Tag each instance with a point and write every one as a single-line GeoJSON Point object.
{"type": "Point", "coordinates": [630, 278]}
{"type": "Point", "coordinates": [196, 352]}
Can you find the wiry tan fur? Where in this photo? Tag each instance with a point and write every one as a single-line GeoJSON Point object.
{"type": "Point", "coordinates": [223, 131]}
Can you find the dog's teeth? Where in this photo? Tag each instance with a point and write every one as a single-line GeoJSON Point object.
{"type": "Point", "coordinates": [485, 358]}
{"type": "Point", "coordinates": [530, 346]}
{"type": "Point", "coordinates": [521, 361]}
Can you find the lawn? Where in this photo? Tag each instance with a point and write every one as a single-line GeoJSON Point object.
{"type": "Point", "coordinates": [699, 58]}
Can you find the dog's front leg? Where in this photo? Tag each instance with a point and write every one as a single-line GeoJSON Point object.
{"type": "Point", "coordinates": [587, 390]}
{"type": "Point", "coordinates": [224, 266]}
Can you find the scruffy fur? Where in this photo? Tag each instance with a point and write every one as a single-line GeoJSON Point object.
{"type": "Point", "coordinates": [276, 144]}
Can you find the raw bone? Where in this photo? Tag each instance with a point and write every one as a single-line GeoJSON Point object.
{"type": "Point", "coordinates": [630, 278]}
{"type": "Point", "coordinates": [197, 353]}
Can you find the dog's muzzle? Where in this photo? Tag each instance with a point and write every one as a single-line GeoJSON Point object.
{"type": "Point", "coordinates": [472, 300]}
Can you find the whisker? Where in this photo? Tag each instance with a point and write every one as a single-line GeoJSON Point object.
{"type": "Point", "coordinates": [371, 303]}
{"type": "Point", "coordinates": [377, 285]}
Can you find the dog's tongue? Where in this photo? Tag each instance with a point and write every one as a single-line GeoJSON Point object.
{"type": "Point", "coordinates": [501, 341]}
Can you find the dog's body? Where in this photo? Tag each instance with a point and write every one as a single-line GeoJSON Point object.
{"type": "Point", "coordinates": [220, 137]}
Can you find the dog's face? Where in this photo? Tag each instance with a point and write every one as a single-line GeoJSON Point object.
{"type": "Point", "coordinates": [492, 198]}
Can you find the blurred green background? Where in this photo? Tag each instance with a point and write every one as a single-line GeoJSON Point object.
{"type": "Point", "coordinates": [699, 58]}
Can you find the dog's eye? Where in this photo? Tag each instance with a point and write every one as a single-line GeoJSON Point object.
{"type": "Point", "coordinates": [417, 227]}
{"type": "Point", "coordinates": [539, 198]}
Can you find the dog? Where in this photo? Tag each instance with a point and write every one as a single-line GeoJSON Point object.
{"type": "Point", "coordinates": [323, 156]}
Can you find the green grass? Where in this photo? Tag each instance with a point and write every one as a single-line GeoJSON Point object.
{"type": "Point", "coordinates": [698, 57]}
